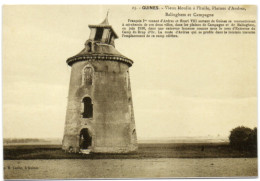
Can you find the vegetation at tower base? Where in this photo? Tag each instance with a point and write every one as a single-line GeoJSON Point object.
{"type": "Point", "coordinates": [244, 139]}
{"type": "Point", "coordinates": [100, 116]}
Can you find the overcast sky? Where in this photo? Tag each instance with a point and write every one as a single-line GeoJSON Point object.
{"type": "Point", "coordinates": [182, 87]}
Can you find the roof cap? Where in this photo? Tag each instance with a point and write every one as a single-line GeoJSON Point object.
{"type": "Point", "coordinates": [104, 24]}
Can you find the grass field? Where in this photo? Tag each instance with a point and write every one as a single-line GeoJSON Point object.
{"type": "Point", "coordinates": [171, 150]}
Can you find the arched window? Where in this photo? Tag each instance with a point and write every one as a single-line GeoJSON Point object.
{"type": "Point", "coordinates": [87, 75]}
{"type": "Point", "coordinates": [88, 108]}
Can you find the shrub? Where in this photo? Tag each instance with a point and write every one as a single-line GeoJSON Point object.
{"type": "Point", "coordinates": [243, 138]}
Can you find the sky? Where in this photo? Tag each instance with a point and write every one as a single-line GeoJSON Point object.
{"type": "Point", "coordinates": [191, 86]}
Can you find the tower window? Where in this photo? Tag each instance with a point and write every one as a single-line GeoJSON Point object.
{"type": "Point", "coordinates": [89, 46]}
{"type": "Point", "coordinates": [88, 108]}
{"type": "Point", "coordinates": [99, 33]}
{"type": "Point", "coordinates": [87, 75]}
{"type": "Point", "coordinates": [133, 132]}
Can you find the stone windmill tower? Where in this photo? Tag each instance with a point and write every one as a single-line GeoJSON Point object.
{"type": "Point", "coordinates": [100, 114]}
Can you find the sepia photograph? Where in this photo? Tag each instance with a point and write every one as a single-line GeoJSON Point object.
{"type": "Point", "coordinates": [129, 91]}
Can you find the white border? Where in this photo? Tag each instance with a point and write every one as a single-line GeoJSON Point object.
{"type": "Point", "coordinates": [81, 2]}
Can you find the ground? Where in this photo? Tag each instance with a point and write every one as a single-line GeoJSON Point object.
{"type": "Point", "coordinates": [150, 161]}
{"type": "Point", "coordinates": [130, 168]}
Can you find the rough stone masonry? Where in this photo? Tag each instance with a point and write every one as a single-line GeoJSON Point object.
{"type": "Point", "coordinates": [100, 115]}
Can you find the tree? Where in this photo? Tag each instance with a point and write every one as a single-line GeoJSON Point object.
{"type": "Point", "coordinates": [243, 138]}
{"type": "Point", "coordinates": [252, 140]}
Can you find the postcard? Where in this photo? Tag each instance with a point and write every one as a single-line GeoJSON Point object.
{"type": "Point", "coordinates": [129, 91]}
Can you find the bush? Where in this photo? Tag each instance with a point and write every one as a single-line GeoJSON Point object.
{"type": "Point", "coordinates": [243, 138]}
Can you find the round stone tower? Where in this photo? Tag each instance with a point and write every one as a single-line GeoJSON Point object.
{"type": "Point", "coordinates": [100, 116]}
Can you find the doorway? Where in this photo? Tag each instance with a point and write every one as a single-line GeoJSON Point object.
{"type": "Point", "coordinates": [85, 139]}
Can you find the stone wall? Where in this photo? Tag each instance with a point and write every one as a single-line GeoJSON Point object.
{"type": "Point", "coordinates": [112, 126]}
